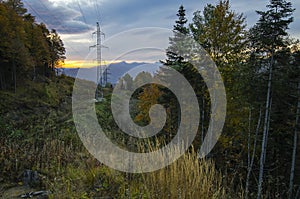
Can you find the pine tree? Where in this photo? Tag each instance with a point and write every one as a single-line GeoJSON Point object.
{"type": "Point", "coordinates": [268, 37]}
{"type": "Point", "coordinates": [56, 48]}
{"type": "Point", "coordinates": [178, 54]}
{"type": "Point", "coordinates": [180, 31]}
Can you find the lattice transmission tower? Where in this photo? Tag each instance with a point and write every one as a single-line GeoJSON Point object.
{"type": "Point", "coordinates": [101, 69]}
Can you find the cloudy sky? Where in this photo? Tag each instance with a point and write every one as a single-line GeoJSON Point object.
{"type": "Point", "coordinates": [126, 24]}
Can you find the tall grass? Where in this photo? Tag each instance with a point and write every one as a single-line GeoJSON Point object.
{"type": "Point", "coordinates": [187, 178]}
{"type": "Point", "coordinates": [70, 172]}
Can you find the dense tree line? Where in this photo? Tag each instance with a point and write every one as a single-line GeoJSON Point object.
{"type": "Point", "coordinates": [259, 147]}
{"type": "Point", "coordinates": [27, 49]}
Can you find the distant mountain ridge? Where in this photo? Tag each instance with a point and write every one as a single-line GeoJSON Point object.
{"type": "Point", "coordinates": [115, 70]}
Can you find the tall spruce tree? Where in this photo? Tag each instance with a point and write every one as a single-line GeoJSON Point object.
{"type": "Point", "coordinates": [180, 30]}
{"type": "Point", "coordinates": [268, 38]}
{"type": "Point", "coordinates": [177, 54]}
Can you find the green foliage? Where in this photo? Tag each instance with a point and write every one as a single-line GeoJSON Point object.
{"type": "Point", "coordinates": [127, 82]}
{"type": "Point", "coordinates": [27, 48]}
{"type": "Point", "coordinates": [181, 22]}
{"type": "Point", "coordinates": [221, 32]}
{"type": "Point", "coordinates": [267, 79]}
{"type": "Point", "coordinates": [272, 25]}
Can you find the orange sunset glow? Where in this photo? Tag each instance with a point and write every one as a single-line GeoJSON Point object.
{"type": "Point", "coordinates": [82, 63]}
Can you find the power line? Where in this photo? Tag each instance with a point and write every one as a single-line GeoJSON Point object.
{"type": "Point", "coordinates": [35, 11]}
{"type": "Point", "coordinates": [60, 24]}
{"type": "Point", "coordinates": [84, 19]}
{"type": "Point", "coordinates": [97, 10]}
{"type": "Point", "coordinates": [75, 51]}
{"type": "Point", "coordinates": [63, 27]}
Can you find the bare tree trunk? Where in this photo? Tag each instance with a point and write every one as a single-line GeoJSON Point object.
{"type": "Point", "coordinates": [268, 127]}
{"type": "Point", "coordinates": [250, 164]}
{"type": "Point", "coordinates": [34, 73]}
{"type": "Point", "coordinates": [15, 75]}
{"type": "Point", "coordinates": [249, 135]}
{"type": "Point", "coordinates": [1, 81]}
{"type": "Point", "coordinates": [295, 146]}
{"type": "Point", "coordinates": [298, 193]}
{"type": "Point", "coordinates": [249, 148]}
{"type": "Point", "coordinates": [265, 131]}
{"type": "Point", "coordinates": [202, 120]}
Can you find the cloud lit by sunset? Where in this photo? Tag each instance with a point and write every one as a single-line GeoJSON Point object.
{"type": "Point", "coordinates": [83, 64]}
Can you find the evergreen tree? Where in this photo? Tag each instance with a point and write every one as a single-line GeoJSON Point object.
{"type": "Point", "coordinates": [177, 55]}
{"type": "Point", "coordinates": [56, 48]}
{"type": "Point", "coordinates": [180, 31]}
{"type": "Point", "coordinates": [267, 37]}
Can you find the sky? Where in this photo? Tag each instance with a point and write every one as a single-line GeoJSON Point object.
{"type": "Point", "coordinates": [135, 30]}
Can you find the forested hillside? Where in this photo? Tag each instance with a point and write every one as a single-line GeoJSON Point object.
{"type": "Point", "coordinates": [27, 49]}
{"type": "Point", "coordinates": [257, 155]}
{"type": "Point", "coordinates": [260, 69]}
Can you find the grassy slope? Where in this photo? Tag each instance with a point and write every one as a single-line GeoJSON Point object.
{"type": "Point", "coordinates": [37, 132]}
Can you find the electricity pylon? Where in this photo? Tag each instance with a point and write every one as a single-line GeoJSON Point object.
{"type": "Point", "coordinates": [99, 46]}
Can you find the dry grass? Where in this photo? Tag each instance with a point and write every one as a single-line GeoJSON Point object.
{"type": "Point", "coordinates": [71, 174]}
{"type": "Point", "coordinates": [188, 177]}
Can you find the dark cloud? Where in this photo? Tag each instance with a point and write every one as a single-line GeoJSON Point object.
{"type": "Point", "coordinates": [61, 18]}
{"type": "Point", "coordinates": [80, 16]}
{"type": "Point", "coordinates": [295, 26]}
